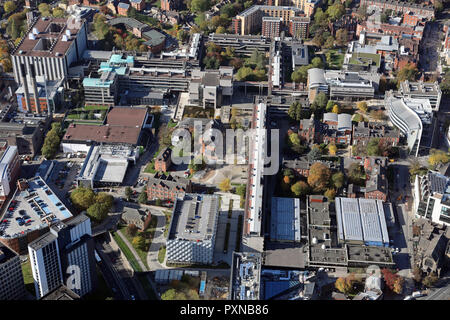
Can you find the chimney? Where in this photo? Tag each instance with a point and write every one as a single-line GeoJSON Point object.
{"type": "Point", "coordinates": [23, 79]}
{"type": "Point", "coordinates": [22, 184]}
{"type": "Point", "coordinates": [32, 74]}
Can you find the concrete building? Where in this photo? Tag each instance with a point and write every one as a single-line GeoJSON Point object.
{"type": "Point", "coordinates": [32, 209]}
{"type": "Point", "coordinates": [192, 230]}
{"type": "Point", "coordinates": [422, 90]}
{"type": "Point", "coordinates": [9, 170]}
{"type": "Point", "coordinates": [431, 197]}
{"type": "Point", "coordinates": [101, 91]}
{"type": "Point", "coordinates": [285, 220]}
{"type": "Point", "coordinates": [50, 95]}
{"type": "Point", "coordinates": [208, 88]}
{"type": "Point", "coordinates": [12, 286]}
{"type": "Point", "coordinates": [350, 86]}
{"type": "Point", "coordinates": [106, 165]}
{"type": "Point", "coordinates": [316, 83]}
{"type": "Point", "coordinates": [242, 44]}
{"type": "Point", "coordinates": [65, 255]}
{"type": "Point", "coordinates": [167, 187]}
{"type": "Point", "coordinates": [61, 293]}
{"type": "Point", "coordinates": [245, 276]}
{"type": "Point", "coordinates": [50, 45]}
{"type": "Point", "coordinates": [300, 55]}
{"type": "Point", "coordinates": [414, 118]}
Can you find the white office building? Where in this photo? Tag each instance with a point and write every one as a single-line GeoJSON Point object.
{"type": "Point", "coordinates": [65, 255]}
{"type": "Point", "coordinates": [192, 231]}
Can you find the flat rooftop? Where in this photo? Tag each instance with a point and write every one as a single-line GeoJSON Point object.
{"type": "Point", "coordinates": [246, 275]}
{"type": "Point", "coordinates": [49, 37]}
{"type": "Point", "coordinates": [285, 219]}
{"type": "Point", "coordinates": [126, 116]}
{"type": "Point", "coordinates": [194, 217]}
{"type": "Point", "coordinates": [369, 254]}
{"type": "Point", "coordinates": [39, 203]}
{"type": "Point", "coordinates": [361, 220]}
{"type": "Point", "coordinates": [106, 134]}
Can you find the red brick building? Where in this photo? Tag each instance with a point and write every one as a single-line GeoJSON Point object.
{"type": "Point", "coordinates": [163, 160]}
{"type": "Point", "coordinates": [167, 187]}
{"type": "Point", "coordinates": [139, 5]}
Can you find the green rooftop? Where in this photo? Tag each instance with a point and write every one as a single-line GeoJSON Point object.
{"type": "Point", "coordinates": [96, 82]}
{"type": "Point", "coordinates": [365, 59]}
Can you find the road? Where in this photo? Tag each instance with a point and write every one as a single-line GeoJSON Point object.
{"type": "Point", "coordinates": [442, 290]}
{"type": "Point", "coordinates": [127, 283]}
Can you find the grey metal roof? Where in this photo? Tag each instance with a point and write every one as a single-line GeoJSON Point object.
{"type": "Point", "coordinates": [344, 121]}
{"type": "Point", "coordinates": [285, 219]}
{"type": "Point", "coordinates": [316, 77]}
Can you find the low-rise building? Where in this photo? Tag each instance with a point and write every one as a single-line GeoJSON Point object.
{"type": "Point", "coordinates": [302, 166]}
{"type": "Point", "coordinates": [363, 132]}
{"type": "Point", "coordinates": [122, 8]}
{"type": "Point", "coordinates": [336, 128]}
{"type": "Point", "coordinates": [285, 220]}
{"type": "Point", "coordinates": [422, 90]}
{"type": "Point", "coordinates": [163, 160]}
{"type": "Point", "coordinates": [192, 230]}
{"type": "Point", "coordinates": [376, 186]}
{"type": "Point", "coordinates": [141, 219]}
{"type": "Point", "coordinates": [167, 187]}
{"type": "Point", "coordinates": [139, 5]}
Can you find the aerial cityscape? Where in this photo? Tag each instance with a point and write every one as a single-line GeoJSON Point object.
{"type": "Point", "coordinates": [228, 150]}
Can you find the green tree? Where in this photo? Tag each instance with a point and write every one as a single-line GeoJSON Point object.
{"type": "Point", "coordinates": [330, 105]}
{"type": "Point", "coordinates": [335, 11]}
{"type": "Point", "coordinates": [341, 37]}
{"type": "Point", "coordinates": [97, 212]}
{"type": "Point", "coordinates": [314, 154]}
{"type": "Point", "coordinates": [128, 193]}
{"type": "Point", "coordinates": [338, 179]}
{"type": "Point", "coordinates": [356, 174]}
{"type": "Point", "coordinates": [82, 197]}
{"type": "Point", "coordinates": [198, 6]}
{"type": "Point", "coordinates": [139, 242]}
{"type": "Point", "coordinates": [105, 199]}
{"type": "Point", "coordinates": [330, 193]}
{"type": "Point", "coordinates": [329, 42]}
{"type": "Point", "coordinates": [320, 101]}
{"type": "Point", "coordinates": [142, 197]}
{"type": "Point", "coordinates": [317, 63]}
{"type": "Point", "coordinates": [300, 188]}
{"type": "Point", "coordinates": [241, 190]}
{"type": "Point", "coordinates": [362, 105]}
{"type": "Point", "coordinates": [9, 6]}
{"type": "Point", "coordinates": [300, 74]}
{"type": "Point", "coordinates": [52, 141]}
{"type": "Point", "coordinates": [430, 280]}
{"type": "Point", "coordinates": [58, 13]}
{"type": "Point", "coordinates": [373, 147]}
{"type": "Point", "coordinates": [45, 9]}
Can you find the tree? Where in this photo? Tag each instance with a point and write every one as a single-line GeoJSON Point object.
{"type": "Point", "coordinates": [418, 275]}
{"type": "Point", "coordinates": [332, 149]}
{"type": "Point", "coordinates": [438, 6]}
{"type": "Point", "coordinates": [139, 242]}
{"type": "Point", "coordinates": [321, 100]}
{"type": "Point", "coordinates": [143, 197]}
{"type": "Point", "coordinates": [335, 109]}
{"type": "Point", "coordinates": [330, 194]}
{"type": "Point", "coordinates": [329, 43]}
{"type": "Point", "coordinates": [398, 285]}
{"type": "Point", "coordinates": [438, 157]}
{"type": "Point", "coordinates": [378, 115]}
{"type": "Point", "coordinates": [128, 193]}
{"type": "Point", "coordinates": [300, 188]}
{"type": "Point", "coordinates": [356, 174]}
{"type": "Point", "coordinates": [408, 72]}
{"type": "Point", "coordinates": [58, 13]}
{"type": "Point", "coordinates": [335, 11]}
{"type": "Point", "coordinates": [314, 153]}
{"type": "Point", "coordinates": [105, 199]}
{"type": "Point", "coordinates": [241, 190]}
{"type": "Point", "coordinates": [330, 105]}
{"type": "Point", "coordinates": [220, 29]}
{"type": "Point", "coordinates": [319, 176]}
{"type": "Point", "coordinates": [362, 105]}
{"type": "Point", "coordinates": [317, 63]}
{"type": "Point", "coordinates": [82, 197]}
{"type": "Point", "coordinates": [358, 118]}
{"type": "Point", "coordinates": [373, 147]}
{"type": "Point", "coordinates": [300, 74]}
{"type": "Point", "coordinates": [343, 285]}
{"type": "Point", "coordinates": [225, 185]}
{"type": "Point", "coordinates": [52, 141]}
{"type": "Point", "coordinates": [198, 6]}
{"type": "Point", "coordinates": [338, 179]}
{"type": "Point", "coordinates": [391, 279]}
{"type": "Point", "coordinates": [44, 9]}
{"type": "Point", "coordinates": [97, 212]}
{"type": "Point", "coordinates": [9, 6]}
{"type": "Point", "coordinates": [318, 40]}
{"type": "Point", "coordinates": [132, 230]}
{"type": "Point", "coordinates": [430, 280]}
{"type": "Point", "coordinates": [341, 37]}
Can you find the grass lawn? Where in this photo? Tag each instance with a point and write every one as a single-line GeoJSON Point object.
{"type": "Point", "coordinates": [223, 265]}
{"type": "Point", "coordinates": [148, 235]}
{"type": "Point", "coordinates": [337, 59]}
{"type": "Point", "coordinates": [171, 124]}
{"type": "Point", "coordinates": [88, 107]}
{"type": "Point", "coordinates": [28, 277]}
{"type": "Point", "coordinates": [161, 254]}
{"type": "Point", "coordinates": [127, 252]}
{"type": "Point", "coordinates": [103, 292]}
{"type": "Point", "coordinates": [168, 215]}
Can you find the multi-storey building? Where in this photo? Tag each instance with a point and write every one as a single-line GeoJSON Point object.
{"type": "Point", "coordinates": [363, 132]}
{"type": "Point", "coordinates": [36, 199]}
{"type": "Point", "coordinates": [12, 286]}
{"type": "Point", "coordinates": [250, 20]}
{"type": "Point", "coordinates": [139, 5]}
{"type": "Point", "coordinates": [65, 255]}
{"type": "Point", "coordinates": [167, 187]}
{"type": "Point", "coordinates": [271, 27]}
{"type": "Point", "coordinates": [299, 27]}
{"type": "Point", "coordinates": [307, 6]}
{"type": "Point", "coordinates": [163, 160]}
{"type": "Point", "coordinates": [9, 169]}
{"type": "Point", "coordinates": [170, 5]}
{"type": "Point", "coordinates": [422, 90]}
{"type": "Point", "coordinates": [192, 231]}
{"type": "Point", "coordinates": [420, 9]}
{"type": "Point", "coordinates": [431, 197]}
{"type": "Point", "coordinates": [349, 86]}
{"type": "Point", "coordinates": [50, 46]}
{"type": "Point", "coordinates": [101, 91]}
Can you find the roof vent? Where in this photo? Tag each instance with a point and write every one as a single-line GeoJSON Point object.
{"type": "Point", "coordinates": [31, 36]}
